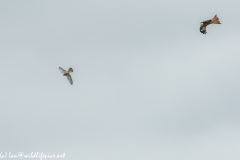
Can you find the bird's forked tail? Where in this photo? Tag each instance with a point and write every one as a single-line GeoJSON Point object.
{"type": "Point", "coordinates": [215, 20]}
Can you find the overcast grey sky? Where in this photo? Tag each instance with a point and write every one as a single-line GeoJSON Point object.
{"type": "Point", "coordinates": [147, 85]}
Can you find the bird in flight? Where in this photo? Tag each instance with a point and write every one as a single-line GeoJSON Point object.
{"type": "Point", "coordinates": [67, 73]}
{"type": "Point", "coordinates": [214, 20]}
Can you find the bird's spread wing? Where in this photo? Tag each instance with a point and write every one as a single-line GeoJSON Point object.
{"type": "Point", "coordinates": [69, 79]}
{"type": "Point", "coordinates": [204, 25]}
{"type": "Point", "coordinates": [62, 70]}
{"type": "Point", "coordinates": [203, 29]}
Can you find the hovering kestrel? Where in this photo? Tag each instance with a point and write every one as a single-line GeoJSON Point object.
{"type": "Point", "coordinates": [67, 73]}
{"type": "Point", "coordinates": [214, 20]}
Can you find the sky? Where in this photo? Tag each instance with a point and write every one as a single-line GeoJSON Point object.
{"type": "Point", "coordinates": [147, 85]}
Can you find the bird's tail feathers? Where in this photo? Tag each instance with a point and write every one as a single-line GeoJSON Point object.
{"type": "Point", "coordinates": [215, 20]}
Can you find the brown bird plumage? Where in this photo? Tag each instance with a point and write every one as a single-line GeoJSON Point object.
{"type": "Point", "coordinates": [67, 74]}
{"type": "Point", "coordinates": [214, 20]}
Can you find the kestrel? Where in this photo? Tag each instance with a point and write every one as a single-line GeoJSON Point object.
{"type": "Point", "coordinates": [67, 73]}
{"type": "Point", "coordinates": [214, 20]}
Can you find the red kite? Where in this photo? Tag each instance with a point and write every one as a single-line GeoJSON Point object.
{"type": "Point", "coordinates": [214, 20]}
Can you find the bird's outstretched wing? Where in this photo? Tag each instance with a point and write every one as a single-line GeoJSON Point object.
{"type": "Point", "coordinates": [62, 70]}
{"type": "Point", "coordinates": [69, 79]}
{"type": "Point", "coordinates": [203, 29]}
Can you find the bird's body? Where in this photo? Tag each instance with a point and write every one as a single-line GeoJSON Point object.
{"type": "Point", "coordinates": [214, 20]}
{"type": "Point", "coordinates": [67, 74]}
